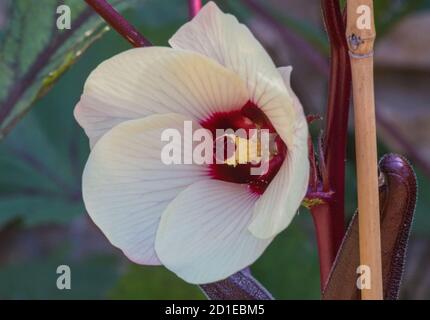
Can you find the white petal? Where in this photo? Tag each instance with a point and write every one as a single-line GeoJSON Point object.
{"type": "Point", "coordinates": [277, 206]}
{"type": "Point", "coordinates": [126, 187]}
{"type": "Point", "coordinates": [146, 81]}
{"type": "Point", "coordinates": [203, 234]}
{"type": "Point", "coordinates": [221, 37]}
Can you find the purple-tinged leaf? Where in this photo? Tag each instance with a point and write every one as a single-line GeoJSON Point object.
{"type": "Point", "coordinates": [240, 286]}
{"type": "Point", "coordinates": [398, 192]}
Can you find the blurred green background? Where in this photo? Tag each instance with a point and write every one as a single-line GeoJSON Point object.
{"type": "Point", "coordinates": [43, 222]}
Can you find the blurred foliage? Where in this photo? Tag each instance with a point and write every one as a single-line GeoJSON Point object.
{"type": "Point", "coordinates": [91, 278]}
{"type": "Point", "coordinates": [145, 282]}
{"type": "Point", "coordinates": [289, 268]}
{"type": "Point", "coordinates": [41, 163]}
{"type": "Point", "coordinates": [42, 160]}
{"type": "Point", "coordinates": [389, 12]}
{"type": "Point", "coordinates": [304, 29]}
{"type": "Point", "coordinates": [421, 225]}
{"type": "Point", "coordinates": [34, 53]}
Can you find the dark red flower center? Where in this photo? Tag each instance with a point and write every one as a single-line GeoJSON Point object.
{"type": "Point", "coordinates": [248, 117]}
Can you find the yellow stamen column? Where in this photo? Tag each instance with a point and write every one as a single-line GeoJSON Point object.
{"type": "Point", "coordinates": [361, 35]}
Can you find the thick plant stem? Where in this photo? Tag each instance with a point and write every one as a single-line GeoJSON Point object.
{"type": "Point", "coordinates": [323, 227]}
{"type": "Point", "coordinates": [194, 7]}
{"type": "Point", "coordinates": [335, 135]}
{"type": "Point", "coordinates": [117, 22]}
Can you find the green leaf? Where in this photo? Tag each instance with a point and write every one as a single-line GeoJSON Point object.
{"type": "Point", "coordinates": [41, 164]}
{"type": "Point", "coordinates": [34, 53]}
{"type": "Point", "coordinates": [143, 282]}
{"type": "Point", "coordinates": [41, 161]}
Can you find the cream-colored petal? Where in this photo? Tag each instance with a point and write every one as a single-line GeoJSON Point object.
{"type": "Point", "coordinates": [221, 37]}
{"type": "Point", "coordinates": [279, 203]}
{"type": "Point", "coordinates": [281, 200]}
{"type": "Point", "coordinates": [126, 186]}
{"type": "Point", "coordinates": [203, 234]}
{"type": "Point", "coordinates": [145, 81]}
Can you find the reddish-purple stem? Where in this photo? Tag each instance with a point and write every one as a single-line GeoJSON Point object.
{"type": "Point", "coordinates": [117, 22]}
{"type": "Point", "coordinates": [330, 219]}
{"type": "Point", "coordinates": [194, 7]}
{"type": "Point", "coordinates": [321, 215]}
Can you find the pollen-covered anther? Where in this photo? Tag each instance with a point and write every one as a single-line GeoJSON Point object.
{"type": "Point", "coordinates": [246, 150]}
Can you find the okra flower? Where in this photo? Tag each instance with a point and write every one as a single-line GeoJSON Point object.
{"type": "Point", "coordinates": [202, 221]}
